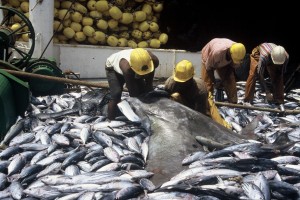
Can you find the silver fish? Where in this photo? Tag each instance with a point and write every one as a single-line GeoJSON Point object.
{"type": "Point", "coordinates": [252, 191]}
{"type": "Point", "coordinates": [60, 139]}
{"type": "Point", "coordinates": [72, 196]}
{"type": "Point", "coordinates": [133, 145]}
{"type": "Point", "coordinates": [170, 195]}
{"type": "Point", "coordinates": [39, 156]}
{"type": "Point", "coordinates": [111, 124]}
{"type": "Point", "coordinates": [12, 132]}
{"type": "Point", "coordinates": [16, 190]}
{"type": "Point", "coordinates": [129, 192]}
{"type": "Point", "coordinates": [87, 196]}
{"type": "Point", "coordinates": [147, 184]}
{"type": "Point", "coordinates": [53, 168]}
{"type": "Point", "coordinates": [109, 167]}
{"type": "Point", "coordinates": [145, 148]}
{"type": "Point", "coordinates": [72, 170]}
{"type": "Point", "coordinates": [103, 138]}
{"type": "Point", "coordinates": [111, 154]}
{"type": "Point", "coordinates": [84, 166]}
{"type": "Point", "coordinates": [29, 170]}
{"type": "Point", "coordinates": [45, 138]}
{"type": "Point", "coordinates": [16, 165]}
{"type": "Point", "coordinates": [21, 139]}
{"type": "Point", "coordinates": [85, 133]}
{"type": "Point", "coordinates": [3, 181]}
{"type": "Point", "coordinates": [44, 192]}
{"type": "Point", "coordinates": [263, 185]}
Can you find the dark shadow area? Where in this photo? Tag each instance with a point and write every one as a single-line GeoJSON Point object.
{"type": "Point", "coordinates": [190, 25]}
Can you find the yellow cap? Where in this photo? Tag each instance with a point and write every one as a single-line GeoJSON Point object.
{"type": "Point", "coordinates": [183, 71]}
{"type": "Point", "coordinates": [141, 62]}
{"type": "Point", "coordinates": [237, 52]}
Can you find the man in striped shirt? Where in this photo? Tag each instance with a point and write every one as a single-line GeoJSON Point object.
{"type": "Point", "coordinates": [274, 58]}
{"type": "Point", "coordinates": [222, 55]}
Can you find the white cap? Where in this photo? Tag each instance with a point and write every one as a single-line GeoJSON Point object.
{"type": "Point", "coordinates": [278, 55]}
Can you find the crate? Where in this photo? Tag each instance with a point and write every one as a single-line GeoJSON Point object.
{"type": "Point", "coordinates": [8, 113]}
{"type": "Point", "coordinates": [14, 100]}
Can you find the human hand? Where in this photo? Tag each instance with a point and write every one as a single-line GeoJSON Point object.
{"type": "Point", "coordinates": [269, 97]}
{"type": "Point", "coordinates": [218, 84]}
{"type": "Point", "coordinates": [245, 103]}
{"type": "Point", "coordinates": [281, 108]}
{"type": "Point", "coordinates": [210, 96]}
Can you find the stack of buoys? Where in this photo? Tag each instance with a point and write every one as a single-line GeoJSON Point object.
{"type": "Point", "coordinates": [123, 23]}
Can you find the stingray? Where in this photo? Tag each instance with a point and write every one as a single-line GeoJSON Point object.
{"type": "Point", "coordinates": [173, 128]}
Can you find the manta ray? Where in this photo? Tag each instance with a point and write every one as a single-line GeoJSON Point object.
{"type": "Point", "coordinates": [173, 128]}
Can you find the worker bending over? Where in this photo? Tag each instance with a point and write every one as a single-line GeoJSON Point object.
{"type": "Point", "coordinates": [136, 68]}
{"type": "Point", "coordinates": [224, 56]}
{"type": "Point", "coordinates": [274, 58]}
{"type": "Point", "coordinates": [191, 91]}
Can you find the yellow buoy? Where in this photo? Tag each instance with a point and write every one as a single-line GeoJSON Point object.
{"type": "Point", "coordinates": [87, 21]}
{"type": "Point", "coordinates": [25, 6]}
{"type": "Point", "coordinates": [132, 44]}
{"type": "Point", "coordinates": [115, 13]}
{"type": "Point", "coordinates": [143, 44]}
{"type": "Point", "coordinates": [102, 6]}
{"type": "Point", "coordinates": [91, 5]}
{"type": "Point", "coordinates": [76, 17]}
{"type": "Point", "coordinates": [139, 16]}
{"type": "Point", "coordinates": [126, 18]}
{"type": "Point", "coordinates": [137, 34]}
{"type": "Point", "coordinates": [16, 18]}
{"type": "Point", "coordinates": [99, 36]}
{"type": "Point", "coordinates": [88, 31]}
{"type": "Point", "coordinates": [77, 27]}
{"type": "Point", "coordinates": [91, 40]}
{"type": "Point", "coordinates": [68, 32]}
{"type": "Point", "coordinates": [112, 41]}
{"type": "Point", "coordinates": [157, 7]}
{"type": "Point", "coordinates": [65, 4]}
{"type": "Point", "coordinates": [163, 38]}
{"type": "Point", "coordinates": [124, 34]}
{"type": "Point", "coordinates": [63, 14]}
{"type": "Point", "coordinates": [144, 26]}
{"type": "Point", "coordinates": [112, 23]}
{"type": "Point", "coordinates": [154, 27]}
{"type": "Point", "coordinates": [102, 24]}
{"type": "Point", "coordinates": [154, 43]}
{"type": "Point", "coordinates": [147, 9]}
{"type": "Point", "coordinates": [16, 26]}
{"type": "Point", "coordinates": [122, 42]}
{"type": "Point", "coordinates": [25, 37]}
{"type": "Point", "coordinates": [80, 8]}
{"type": "Point", "coordinates": [95, 14]}
{"type": "Point", "coordinates": [147, 35]}
{"type": "Point", "coordinates": [80, 36]}
{"type": "Point", "coordinates": [57, 26]}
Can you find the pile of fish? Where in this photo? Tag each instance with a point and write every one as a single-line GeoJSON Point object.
{"type": "Point", "coordinates": [63, 148]}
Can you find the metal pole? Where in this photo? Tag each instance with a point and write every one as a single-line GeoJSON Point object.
{"type": "Point", "coordinates": [293, 112]}
{"type": "Point", "coordinates": [100, 84]}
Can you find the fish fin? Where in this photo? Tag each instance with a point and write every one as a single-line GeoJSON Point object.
{"type": "Point", "coordinates": [220, 180]}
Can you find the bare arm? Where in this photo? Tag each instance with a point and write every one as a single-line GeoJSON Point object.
{"type": "Point", "coordinates": [149, 77]}
{"type": "Point", "coordinates": [129, 74]}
